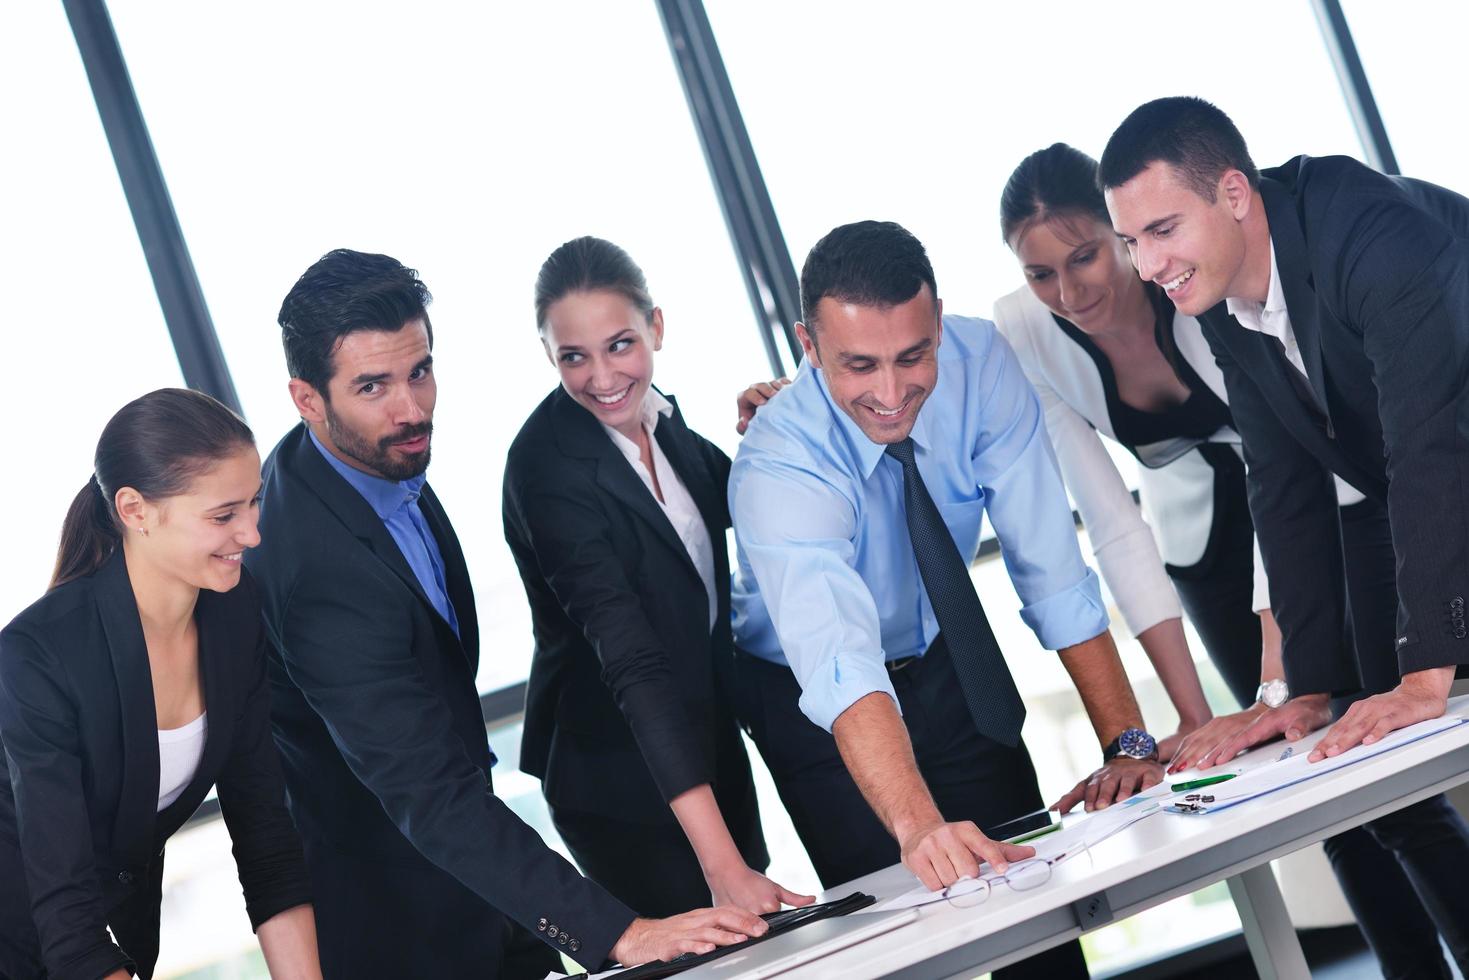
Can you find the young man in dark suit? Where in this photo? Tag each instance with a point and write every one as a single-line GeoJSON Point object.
{"type": "Point", "coordinates": [1336, 300]}
{"type": "Point", "coordinates": [417, 868]}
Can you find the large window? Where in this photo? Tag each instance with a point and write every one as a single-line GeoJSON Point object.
{"type": "Point", "coordinates": [918, 114]}
{"type": "Point", "coordinates": [468, 141]}
{"type": "Point", "coordinates": [83, 331]}
{"type": "Point", "coordinates": [1412, 79]}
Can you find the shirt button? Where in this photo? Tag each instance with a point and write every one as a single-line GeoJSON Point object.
{"type": "Point", "coordinates": [125, 877]}
{"type": "Point", "coordinates": [541, 926]}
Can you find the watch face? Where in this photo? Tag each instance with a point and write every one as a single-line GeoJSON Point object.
{"type": "Point", "coordinates": [1137, 743]}
{"type": "Point", "coordinates": [1274, 693]}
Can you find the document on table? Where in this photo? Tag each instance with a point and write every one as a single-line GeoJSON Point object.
{"type": "Point", "coordinates": [1290, 767]}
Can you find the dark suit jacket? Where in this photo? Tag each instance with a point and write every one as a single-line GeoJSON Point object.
{"type": "Point", "coordinates": [81, 843]}
{"type": "Point", "coordinates": [413, 857]}
{"type": "Point", "coordinates": [623, 710]}
{"type": "Point", "coordinates": [1375, 272]}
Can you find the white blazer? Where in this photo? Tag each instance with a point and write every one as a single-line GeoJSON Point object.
{"type": "Point", "coordinates": [1177, 498]}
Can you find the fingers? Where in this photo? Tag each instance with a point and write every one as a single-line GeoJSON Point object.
{"type": "Point", "coordinates": [998, 854]}
{"type": "Point", "coordinates": [794, 898]}
{"type": "Point", "coordinates": [1077, 794]}
{"type": "Point", "coordinates": [1348, 732]}
{"type": "Point", "coordinates": [733, 919]}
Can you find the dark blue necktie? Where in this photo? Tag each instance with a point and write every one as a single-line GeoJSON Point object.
{"type": "Point", "coordinates": [989, 691]}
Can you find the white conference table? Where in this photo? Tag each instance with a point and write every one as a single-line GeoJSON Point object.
{"type": "Point", "coordinates": [1157, 859]}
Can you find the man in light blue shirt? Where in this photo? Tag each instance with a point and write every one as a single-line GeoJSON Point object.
{"type": "Point", "coordinates": [836, 579]}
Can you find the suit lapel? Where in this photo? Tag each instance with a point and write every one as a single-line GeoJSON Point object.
{"type": "Point", "coordinates": [136, 810]}
{"type": "Point", "coordinates": [579, 434]}
{"type": "Point", "coordinates": [456, 572]}
{"type": "Point", "coordinates": [354, 512]}
{"type": "Point", "coordinates": [218, 641]}
{"type": "Point", "coordinates": [1296, 283]}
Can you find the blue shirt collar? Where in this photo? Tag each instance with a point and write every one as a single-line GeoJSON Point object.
{"type": "Point", "coordinates": [868, 453]}
{"type": "Point", "coordinates": [385, 497]}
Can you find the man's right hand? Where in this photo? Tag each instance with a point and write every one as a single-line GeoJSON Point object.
{"type": "Point", "coordinates": [942, 853]}
{"type": "Point", "coordinates": [698, 931]}
{"type": "Point", "coordinates": [1295, 719]}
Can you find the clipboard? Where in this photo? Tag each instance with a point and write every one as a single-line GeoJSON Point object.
{"type": "Point", "coordinates": [786, 920]}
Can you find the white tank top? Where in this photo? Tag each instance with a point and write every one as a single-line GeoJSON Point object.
{"type": "Point", "coordinates": [179, 752]}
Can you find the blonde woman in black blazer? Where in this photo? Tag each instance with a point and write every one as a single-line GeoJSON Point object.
{"type": "Point", "coordinates": [616, 514]}
{"type": "Point", "coordinates": [151, 626]}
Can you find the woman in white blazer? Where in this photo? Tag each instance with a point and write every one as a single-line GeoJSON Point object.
{"type": "Point", "coordinates": [1110, 356]}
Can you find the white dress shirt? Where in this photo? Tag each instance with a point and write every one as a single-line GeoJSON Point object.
{"type": "Point", "coordinates": [678, 506]}
{"type": "Point", "coordinates": [179, 752]}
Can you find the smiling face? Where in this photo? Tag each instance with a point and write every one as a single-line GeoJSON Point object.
{"type": "Point", "coordinates": [1191, 247]}
{"type": "Point", "coordinates": [1078, 268]}
{"type": "Point", "coordinates": [379, 416]}
{"type": "Point", "coordinates": [602, 346]}
{"type": "Point", "coordinates": [880, 362]}
{"type": "Point", "coordinates": [198, 537]}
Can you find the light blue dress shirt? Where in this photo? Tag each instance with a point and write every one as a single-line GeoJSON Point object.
{"type": "Point", "coordinates": [396, 504]}
{"type": "Point", "coordinates": [827, 581]}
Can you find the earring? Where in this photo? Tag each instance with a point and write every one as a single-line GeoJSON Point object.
{"type": "Point", "coordinates": [143, 531]}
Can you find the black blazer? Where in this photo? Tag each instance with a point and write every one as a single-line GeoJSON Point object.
{"type": "Point", "coordinates": [622, 710]}
{"type": "Point", "coordinates": [1375, 272]}
{"type": "Point", "coordinates": [384, 745]}
{"type": "Point", "coordinates": [81, 843]}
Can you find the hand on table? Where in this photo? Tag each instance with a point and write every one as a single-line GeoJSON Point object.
{"type": "Point", "coordinates": [1420, 696]}
{"type": "Point", "coordinates": [698, 931]}
{"type": "Point", "coordinates": [1211, 735]}
{"type": "Point", "coordinates": [749, 889]}
{"type": "Point", "coordinates": [753, 397]}
{"type": "Point", "coordinates": [1295, 719]}
{"type": "Point", "coordinates": [1113, 783]}
{"type": "Point", "coordinates": [1168, 747]}
{"type": "Point", "coordinates": [941, 853]}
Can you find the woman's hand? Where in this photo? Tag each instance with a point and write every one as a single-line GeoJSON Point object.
{"type": "Point", "coordinates": [753, 397]}
{"type": "Point", "coordinates": [698, 931]}
{"type": "Point", "coordinates": [749, 889]}
{"type": "Point", "coordinates": [1209, 736]}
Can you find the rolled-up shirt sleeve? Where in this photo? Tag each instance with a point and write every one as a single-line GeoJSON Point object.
{"type": "Point", "coordinates": [797, 534]}
{"type": "Point", "coordinates": [1027, 505]}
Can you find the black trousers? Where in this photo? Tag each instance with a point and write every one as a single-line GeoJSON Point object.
{"type": "Point", "coordinates": [970, 776]}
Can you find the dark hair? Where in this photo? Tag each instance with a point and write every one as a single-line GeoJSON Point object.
{"type": "Point", "coordinates": [1188, 133]}
{"type": "Point", "coordinates": [870, 263]}
{"type": "Point", "coordinates": [585, 264]}
{"type": "Point", "coordinates": [1059, 180]}
{"type": "Point", "coordinates": [343, 292]}
{"type": "Point", "coordinates": [158, 445]}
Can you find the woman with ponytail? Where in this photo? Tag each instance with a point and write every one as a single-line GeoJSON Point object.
{"type": "Point", "coordinates": [136, 683]}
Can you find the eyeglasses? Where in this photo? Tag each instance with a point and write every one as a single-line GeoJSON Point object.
{"type": "Point", "coordinates": [1025, 875]}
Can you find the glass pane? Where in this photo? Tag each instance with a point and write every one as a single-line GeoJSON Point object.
{"type": "Point", "coordinates": [84, 330]}
{"type": "Point", "coordinates": [1410, 77]}
{"type": "Point", "coordinates": [858, 111]}
{"type": "Point", "coordinates": [468, 141]}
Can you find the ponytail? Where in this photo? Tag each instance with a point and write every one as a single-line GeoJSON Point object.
{"type": "Point", "coordinates": [157, 445]}
{"type": "Point", "coordinates": [88, 536]}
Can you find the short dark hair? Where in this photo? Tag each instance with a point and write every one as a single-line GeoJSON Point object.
{"type": "Point", "coordinates": [343, 292]}
{"type": "Point", "coordinates": [870, 263]}
{"type": "Point", "coordinates": [1059, 180]}
{"type": "Point", "coordinates": [158, 445]}
{"type": "Point", "coordinates": [586, 264]}
{"type": "Point", "coordinates": [1192, 135]}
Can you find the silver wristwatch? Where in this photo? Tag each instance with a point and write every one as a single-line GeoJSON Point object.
{"type": "Point", "coordinates": [1273, 693]}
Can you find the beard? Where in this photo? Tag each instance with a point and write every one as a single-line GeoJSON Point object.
{"type": "Point", "coordinates": [379, 456]}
